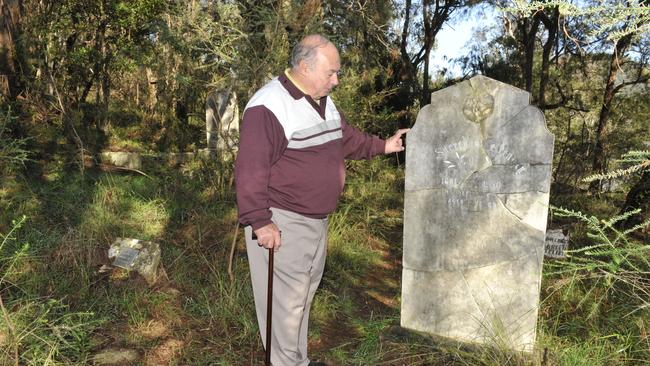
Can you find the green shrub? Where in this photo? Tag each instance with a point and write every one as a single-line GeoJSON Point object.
{"type": "Point", "coordinates": [12, 151]}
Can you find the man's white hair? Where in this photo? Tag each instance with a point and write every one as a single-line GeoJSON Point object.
{"type": "Point", "coordinates": [305, 50]}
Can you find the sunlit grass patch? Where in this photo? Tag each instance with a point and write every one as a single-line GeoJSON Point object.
{"type": "Point", "coordinates": [150, 316]}
{"type": "Point", "coordinates": [349, 250]}
{"type": "Point", "coordinates": [370, 344]}
{"type": "Point", "coordinates": [120, 208]}
{"type": "Point", "coordinates": [46, 332]}
{"type": "Point", "coordinates": [592, 349]}
{"type": "Point", "coordinates": [325, 307]}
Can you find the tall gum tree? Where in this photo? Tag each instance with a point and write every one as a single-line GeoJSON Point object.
{"type": "Point", "coordinates": [612, 86]}
{"type": "Point", "coordinates": [422, 32]}
{"type": "Point", "coordinates": [624, 23]}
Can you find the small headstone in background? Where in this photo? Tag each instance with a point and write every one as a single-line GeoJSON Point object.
{"type": "Point", "coordinates": [129, 160]}
{"type": "Point", "coordinates": [556, 244]}
{"type": "Point", "coordinates": [137, 255]}
{"type": "Point", "coordinates": [222, 123]}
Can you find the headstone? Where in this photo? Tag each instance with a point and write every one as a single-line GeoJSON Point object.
{"type": "Point", "coordinates": [136, 255]}
{"type": "Point", "coordinates": [130, 160]}
{"type": "Point", "coordinates": [478, 172]}
{"type": "Point", "coordinates": [222, 123]}
{"type": "Point", "coordinates": [556, 244]}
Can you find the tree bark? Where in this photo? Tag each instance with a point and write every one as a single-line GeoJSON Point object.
{"type": "Point", "coordinates": [551, 25]}
{"type": "Point", "coordinates": [528, 29]}
{"type": "Point", "coordinates": [405, 31]}
{"type": "Point", "coordinates": [10, 14]}
{"type": "Point", "coordinates": [433, 22]}
{"type": "Point", "coordinates": [428, 43]}
{"type": "Point", "coordinates": [638, 198]}
{"type": "Point", "coordinates": [152, 95]}
{"type": "Point", "coordinates": [406, 74]}
{"type": "Point", "coordinates": [599, 161]}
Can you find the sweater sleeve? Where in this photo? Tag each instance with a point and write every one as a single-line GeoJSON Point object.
{"type": "Point", "coordinates": [261, 143]}
{"type": "Point", "coordinates": [358, 145]}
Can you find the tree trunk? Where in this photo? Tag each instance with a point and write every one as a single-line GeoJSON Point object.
{"type": "Point", "coordinates": [106, 85]}
{"type": "Point", "coordinates": [406, 73]}
{"type": "Point", "coordinates": [565, 146]}
{"type": "Point", "coordinates": [551, 25]}
{"type": "Point", "coordinates": [528, 34]}
{"type": "Point", "coordinates": [599, 161]}
{"type": "Point", "coordinates": [10, 14]}
{"type": "Point", "coordinates": [152, 97]}
{"type": "Point", "coordinates": [638, 198]}
{"type": "Point", "coordinates": [405, 31]}
{"type": "Point", "coordinates": [433, 22]}
{"type": "Point", "coordinates": [428, 43]}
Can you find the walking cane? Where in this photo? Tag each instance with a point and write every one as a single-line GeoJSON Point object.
{"type": "Point", "coordinates": [269, 305]}
{"type": "Point", "coordinates": [269, 312]}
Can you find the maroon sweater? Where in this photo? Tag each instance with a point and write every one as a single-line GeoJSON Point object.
{"type": "Point", "coordinates": [291, 154]}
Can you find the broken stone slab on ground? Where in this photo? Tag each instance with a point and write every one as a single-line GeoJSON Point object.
{"type": "Point", "coordinates": [137, 161]}
{"type": "Point", "coordinates": [115, 357]}
{"type": "Point", "coordinates": [137, 255]}
{"type": "Point", "coordinates": [124, 159]}
{"type": "Point", "coordinates": [478, 172]}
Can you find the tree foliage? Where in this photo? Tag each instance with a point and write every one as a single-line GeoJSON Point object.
{"type": "Point", "coordinates": [112, 74]}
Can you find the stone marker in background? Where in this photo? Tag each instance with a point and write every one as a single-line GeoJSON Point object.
{"type": "Point", "coordinates": [478, 171]}
{"type": "Point", "coordinates": [130, 160]}
{"type": "Point", "coordinates": [556, 244]}
{"type": "Point", "coordinates": [222, 123]}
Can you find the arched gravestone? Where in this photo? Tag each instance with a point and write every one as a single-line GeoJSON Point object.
{"type": "Point", "coordinates": [478, 171]}
{"type": "Point", "coordinates": [222, 123]}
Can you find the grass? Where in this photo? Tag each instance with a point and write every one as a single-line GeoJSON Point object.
{"type": "Point", "coordinates": [60, 309]}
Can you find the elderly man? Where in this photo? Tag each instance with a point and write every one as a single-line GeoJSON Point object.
{"type": "Point", "coordinates": [289, 174]}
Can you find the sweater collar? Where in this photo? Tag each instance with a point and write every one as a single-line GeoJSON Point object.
{"type": "Point", "coordinates": [295, 91]}
{"type": "Point", "coordinates": [291, 87]}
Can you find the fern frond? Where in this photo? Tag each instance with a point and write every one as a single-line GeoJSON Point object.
{"type": "Point", "coordinates": [637, 227]}
{"type": "Point", "coordinates": [616, 173]}
{"type": "Point", "coordinates": [584, 249]}
{"type": "Point", "coordinates": [640, 160]}
{"type": "Point", "coordinates": [635, 156]}
{"type": "Point", "coordinates": [622, 217]}
{"type": "Point", "coordinates": [565, 212]}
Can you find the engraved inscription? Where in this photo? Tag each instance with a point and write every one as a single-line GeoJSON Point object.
{"type": "Point", "coordinates": [500, 152]}
{"type": "Point", "coordinates": [468, 201]}
{"type": "Point", "coordinates": [458, 146]}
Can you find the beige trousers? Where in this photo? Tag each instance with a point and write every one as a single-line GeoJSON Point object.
{"type": "Point", "coordinates": [298, 269]}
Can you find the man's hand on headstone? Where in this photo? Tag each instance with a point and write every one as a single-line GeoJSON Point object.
{"type": "Point", "coordinates": [394, 143]}
{"type": "Point", "coordinates": [268, 236]}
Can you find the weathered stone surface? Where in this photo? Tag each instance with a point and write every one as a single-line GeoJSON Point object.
{"type": "Point", "coordinates": [134, 160]}
{"type": "Point", "coordinates": [145, 261]}
{"type": "Point", "coordinates": [556, 243]}
{"type": "Point", "coordinates": [123, 159]}
{"type": "Point", "coordinates": [478, 171]}
{"type": "Point", "coordinates": [222, 123]}
{"type": "Point", "coordinates": [116, 357]}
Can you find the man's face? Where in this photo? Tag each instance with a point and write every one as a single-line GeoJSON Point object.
{"type": "Point", "coordinates": [323, 74]}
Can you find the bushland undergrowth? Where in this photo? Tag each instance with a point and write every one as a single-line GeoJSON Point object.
{"type": "Point", "coordinates": [58, 308]}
